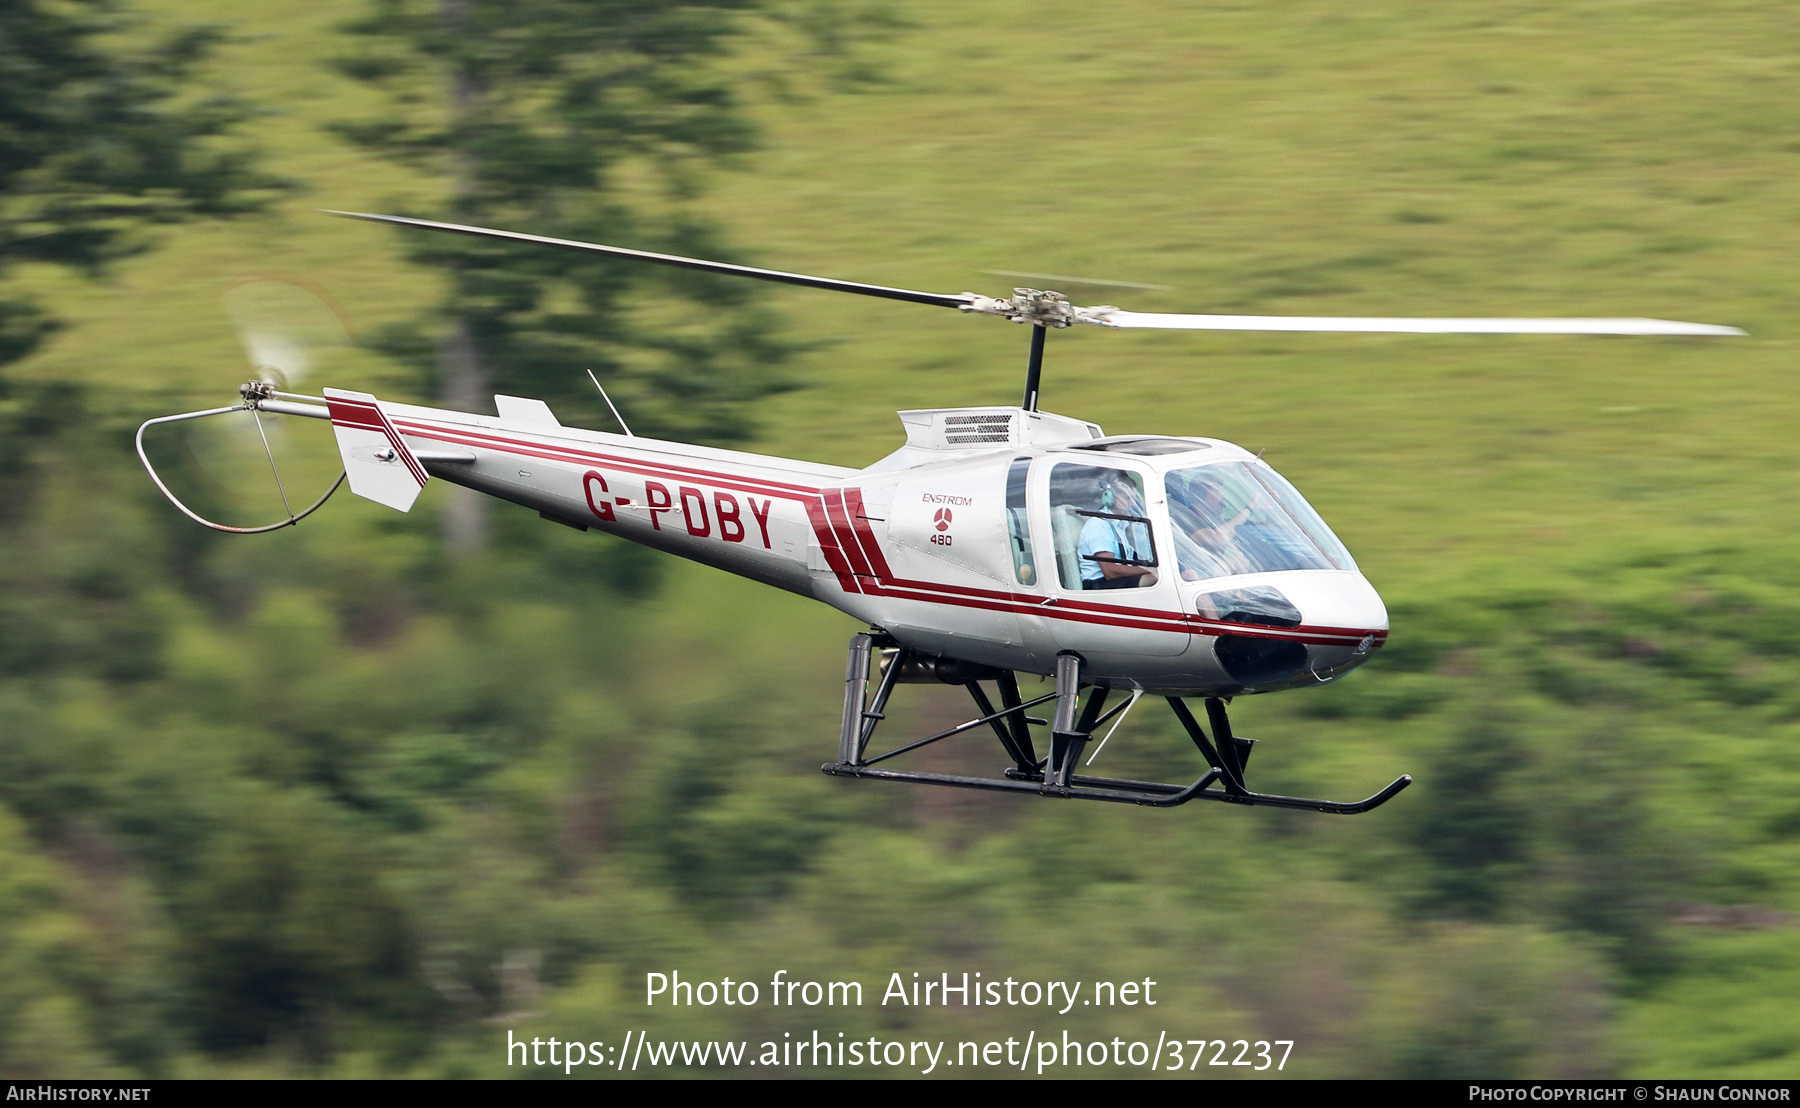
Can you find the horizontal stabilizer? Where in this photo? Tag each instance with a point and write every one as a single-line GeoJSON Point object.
{"type": "Point", "coordinates": [376, 459]}
{"type": "Point", "coordinates": [525, 410]}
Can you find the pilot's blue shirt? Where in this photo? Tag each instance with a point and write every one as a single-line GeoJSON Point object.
{"type": "Point", "coordinates": [1111, 535]}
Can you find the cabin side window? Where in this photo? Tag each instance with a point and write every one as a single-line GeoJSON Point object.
{"type": "Point", "coordinates": [1097, 522]}
{"type": "Point", "coordinates": [1018, 528]}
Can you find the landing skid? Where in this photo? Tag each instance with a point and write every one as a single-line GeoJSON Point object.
{"type": "Point", "coordinates": [1075, 723]}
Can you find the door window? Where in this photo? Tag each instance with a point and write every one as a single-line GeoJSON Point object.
{"type": "Point", "coordinates": [1102, 536]}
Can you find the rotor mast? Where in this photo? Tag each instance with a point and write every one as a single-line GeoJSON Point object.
{"type": "Point", "coordinates": [1042, 309]}
{"type": "Point", "coordinates": [1034, 368]}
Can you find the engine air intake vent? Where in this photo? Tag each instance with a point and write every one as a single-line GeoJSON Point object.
{"type": "Point", "coordinates": [960, 430]}
{"type": "Point", "coordinates": [979, 430]}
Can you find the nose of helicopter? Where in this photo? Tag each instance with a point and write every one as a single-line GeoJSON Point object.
{"type": "Point", "coordinates": [1346, 611]}
{"type": "Point", "coordinates": [1337, 617]}
{"type": "Point", "coordinates": [1333, 599]}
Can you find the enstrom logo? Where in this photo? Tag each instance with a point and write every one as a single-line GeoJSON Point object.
{"type": "Point", "coordinates": [941, 520]}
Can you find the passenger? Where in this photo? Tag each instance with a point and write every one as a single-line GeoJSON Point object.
{"type": "Point", "coordinates": [1105, 543]}
{"type": "Point", "coordinates": [1227, 522]}
{"type": "Point", "coordinates": [1205, 522]}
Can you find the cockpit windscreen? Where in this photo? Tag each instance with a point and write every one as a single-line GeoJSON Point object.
{"type": "Point", "coordinates": [1243, 517]}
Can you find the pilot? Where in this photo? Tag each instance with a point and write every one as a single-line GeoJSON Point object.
{"type": "Point", "coordinates": [1105, 543]}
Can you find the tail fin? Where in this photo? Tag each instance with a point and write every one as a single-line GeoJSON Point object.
{"type": "Point", "coordinates": [376, 458]}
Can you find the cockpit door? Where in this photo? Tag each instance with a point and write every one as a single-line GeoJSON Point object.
{"type": "Point", "coordinates": [1110, 571]}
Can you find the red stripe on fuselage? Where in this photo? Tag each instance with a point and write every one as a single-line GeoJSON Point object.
{"type": "Point", "coordinates": [854, 554]}
{"type": "Point", "coordinates": [670, 469]}
{"type": "Point", "coordinates": [641, 467]}
{"type": "Point", "coordinates": [864, 535]}
{"type": "Point", "coordinates": [840, 525]}
{"type": "Point", "coordinates": [834, 555]}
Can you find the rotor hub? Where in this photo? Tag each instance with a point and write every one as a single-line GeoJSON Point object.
{"type": "Point", "coordinates": [1041, 307]}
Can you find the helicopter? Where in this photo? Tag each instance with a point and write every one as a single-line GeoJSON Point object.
{"type": "Point", "coordinates": [994, 542]}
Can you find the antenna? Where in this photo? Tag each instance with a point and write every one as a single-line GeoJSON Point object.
{"type": "Point", "coordinates": [609, 404]}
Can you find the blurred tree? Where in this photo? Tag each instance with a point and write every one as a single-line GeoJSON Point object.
{"type": "Point", "coordinates": [1470, 829]}
{"type": "Point", "coordinates": [1606, 864]}
{"type": "Point", "coordinates": [730, 835]}
{"type": "Point", "coordinates": [44, 950]}
{"type": "Point", "coordinates": [100, 141]}
{"type": "Point", "coordinates": [580, 120]}
{"type": "Point", "coordinates": [1484, 1001]}
{"type": "Point", "coordinates": [105, 134]}
{"type": "Point", "coordinates": [288, 932]}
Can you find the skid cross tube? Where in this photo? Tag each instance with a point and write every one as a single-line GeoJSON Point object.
{"type": "Point", "coordinates": [1080, 710]}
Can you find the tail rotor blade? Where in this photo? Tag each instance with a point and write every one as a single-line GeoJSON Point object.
{"type": "Point", "coordinates": [286, 328]}
{"type": "Point", "coordinates": [240, 463]}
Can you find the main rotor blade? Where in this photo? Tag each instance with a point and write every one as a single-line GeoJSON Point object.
{"type": "Point", "coordinates": [1031, 312]}
{"type": "Point", "coordinates": [942, 300]}
{"type": "Point", "coordinates": [1405, 326]}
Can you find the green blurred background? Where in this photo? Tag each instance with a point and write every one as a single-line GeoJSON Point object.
{"type": "Point", "coordinates": [333, 801]}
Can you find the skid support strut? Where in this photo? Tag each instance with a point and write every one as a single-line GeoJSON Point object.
{"type": "Point", "coordinates": [856, 681]}
{"type": "Point", "coordinates": [1077, 714]}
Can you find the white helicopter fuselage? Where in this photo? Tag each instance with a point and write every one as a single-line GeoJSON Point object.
{"type": "Point", "coordinates": [966, 543]}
